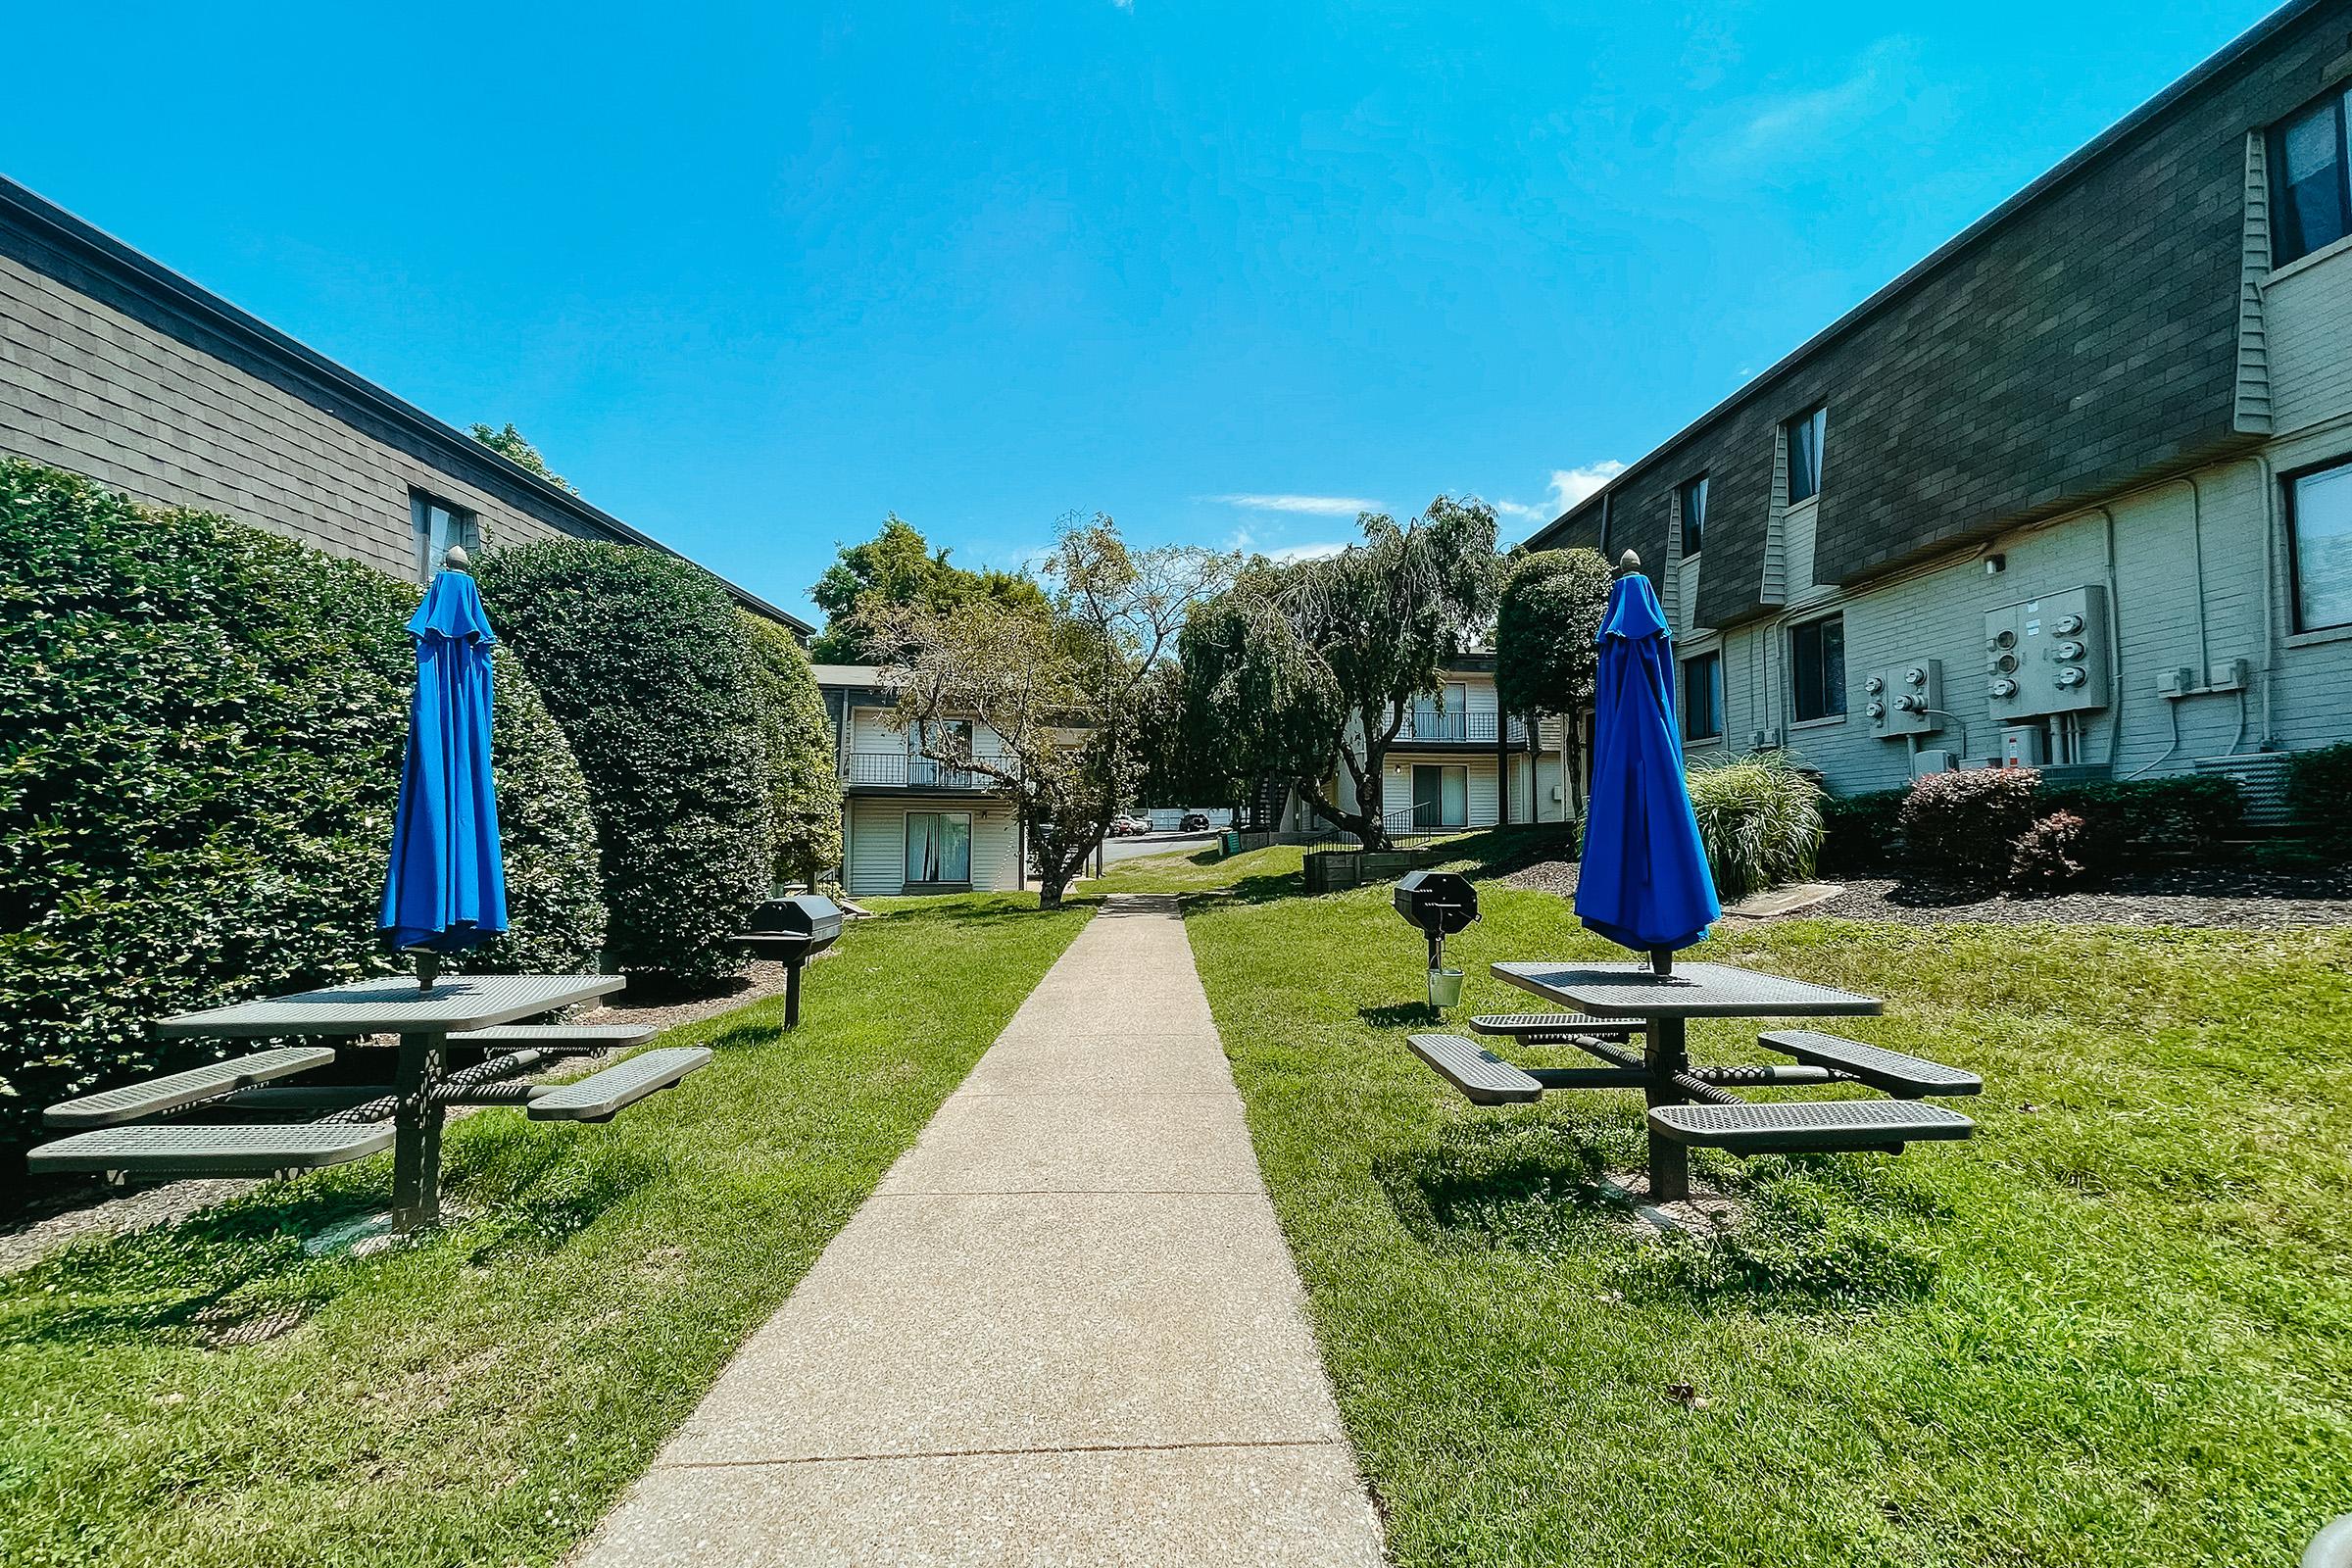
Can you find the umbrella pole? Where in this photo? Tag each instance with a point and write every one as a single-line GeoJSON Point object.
{"type": "Point", "coordinates": [428, 968]}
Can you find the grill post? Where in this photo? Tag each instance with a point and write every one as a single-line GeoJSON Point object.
{"type": "Point", "coordinates": [792, 994]}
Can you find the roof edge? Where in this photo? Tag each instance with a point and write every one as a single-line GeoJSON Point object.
{"type": "Point", "coordinates": [97, 248]}
{"type": "Point", "coordinates": [2043, 185]}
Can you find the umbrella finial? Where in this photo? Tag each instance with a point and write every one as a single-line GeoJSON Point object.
{"type": "Point", "coordinates": [456, 559]}
{"type": "Point", "coordinates": [1628, 564]}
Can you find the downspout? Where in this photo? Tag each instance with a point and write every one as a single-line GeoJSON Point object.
{"type": "Point", "coordinates": [2268, 474]}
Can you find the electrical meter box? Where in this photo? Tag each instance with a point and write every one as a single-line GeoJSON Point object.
{"type": "Point", "coordinates": [1905, 699]}
{"type": "Point", "coordinates": [2048, 655]}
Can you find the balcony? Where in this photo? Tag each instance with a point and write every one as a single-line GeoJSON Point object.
{"type": "Point", "coordinates": [1442, 727]}
{"type": "Point", "coordinates": [898, 770]}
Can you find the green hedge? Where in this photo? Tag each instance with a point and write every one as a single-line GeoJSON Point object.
{"type": "Point", "coordinates": [2186, 816]}
{"type": "Point", "coordinates": [197, 783]}
{"type": "Point", "coordinates": [1860, 832]}
{"type": "Point", "coordinates": [1760, 821]}
{"type": "Point", "coordinates": [803, 785]}
{"type": "Point", "coordinates": [656, 684]}
{"type": "Point", "coordinates": [2319, 795]}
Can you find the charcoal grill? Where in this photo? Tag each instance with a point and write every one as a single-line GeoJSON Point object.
{"type": "Point", "coordinates": [792, 931]}
{"type": "Point", "coordinates": [1438, 904]}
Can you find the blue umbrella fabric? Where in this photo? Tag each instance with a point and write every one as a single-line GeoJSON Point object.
{"type": "Point", "coordinates": [1644, 882]}
{"type": "Point", "coordinates": [445, 889]}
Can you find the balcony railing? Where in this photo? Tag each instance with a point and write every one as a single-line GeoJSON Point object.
{"type": "Point", "coordinates": [1456, 725]}
{"type": "Point", "coordinates": [902, 771]}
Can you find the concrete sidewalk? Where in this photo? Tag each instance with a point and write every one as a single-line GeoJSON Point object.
{"type": "Point", "coordinates": [1064, 1330]}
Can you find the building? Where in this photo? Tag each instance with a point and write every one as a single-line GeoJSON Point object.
{"type": "Point", "coordinates": [2075, 489]}
{"type": "Point", "coordinates": [909, 824]}
{"type": "Point", "coordinates": [117, 368]}
{"type": "Point", "coordinates": [1457, 763]}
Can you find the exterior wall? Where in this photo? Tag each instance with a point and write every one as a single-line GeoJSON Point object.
{"type": "Point", "coordinates": [2079, 342]}
{"type": "Point", "coordinates": [1481, 776]}
{"type": "Point", "coordinates": [876, 830]}
{"type": "Point", "coordinates": [112, 367]}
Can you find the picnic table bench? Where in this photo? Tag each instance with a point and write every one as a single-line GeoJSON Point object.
{"type": "Point", "coordinates": [1690, 1104]}
{"type": "Point", "coordinates": [125, 1134]}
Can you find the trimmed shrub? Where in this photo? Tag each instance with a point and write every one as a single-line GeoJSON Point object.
{"type": "Point", "coordinates": [2319, 796]}
{"type": "Point", "coordinates": [1760, 821]}
{"type": "Point", "coordinates": [804, 787]}
{"type": "Point", "coordinates": [1858, 832]}
{"type": "Point", "coordinates": [2186, 816]}
{"type": "Point", "coordinates": [2056, 853]}
{"type": "Point", "coordinates": [198, 778]}
{"type": "Point", "coordinates": [647, 670]}
{"type": "Point", "coordinates": [1967, 823]}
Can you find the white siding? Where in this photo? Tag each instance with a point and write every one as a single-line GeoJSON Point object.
{"type": "Point", "coordinates": [2307, 315]}
{"type": "Point", "coordinates": [877, 849]}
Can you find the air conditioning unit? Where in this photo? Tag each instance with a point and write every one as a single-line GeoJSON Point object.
{"type": "Point", "coordinates": [1925, 763]}
{"type": "Point", "coordinates": [2021, 745]}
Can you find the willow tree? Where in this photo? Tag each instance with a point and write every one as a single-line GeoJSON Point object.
{"type": "Point", "coordinates": [1257, 706]}
{"type": "Point", "coordinates": [1546, 631]}
{"type": "Point", "coordinates": [1380, 618]}
{"type": "Point", "coordinates": [1064, 683]}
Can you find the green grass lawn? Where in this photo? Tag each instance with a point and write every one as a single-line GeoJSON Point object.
{"type": "Point", "coordinates": [483, 1397]}
{"type": "Point", "coordinates": [2116, 1328]}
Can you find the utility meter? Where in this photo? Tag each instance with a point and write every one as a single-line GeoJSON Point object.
{"type": "Point", "coordinates": [1906, 699]}
{"type": "Point", "coordinates": [2048, 655]}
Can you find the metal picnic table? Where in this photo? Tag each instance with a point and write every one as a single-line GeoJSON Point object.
{"type": "Point", "coordinates": [1663, 1072]}
{"type": "Point", "coordinates": [462, 1011]}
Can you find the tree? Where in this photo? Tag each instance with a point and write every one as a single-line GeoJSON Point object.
{"type": "Point", "coordinates": [895, 569]}
{"type": "Point", "coordinates": [1256, 707]}
{"type": "Point", "coordinates": [1545, 649]}
{"type": "Point", "coordinates": [1379, 617]}
{"type": "Point", "coordinates": [1065, 684]}
{"type": "Point", "coordinates": [803, 786]}
{"type": "Point", "coordinates": [511, 445]}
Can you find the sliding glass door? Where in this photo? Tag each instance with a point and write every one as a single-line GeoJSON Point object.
{"type": "Point", "coordinates": [939, 846]}
{"type": "Point", "coordinates": [1441, 796]}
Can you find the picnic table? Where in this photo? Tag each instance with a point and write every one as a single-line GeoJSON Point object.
{"type": "Point", "coordinates": [130, 1130]}
{"type": "Point", "coordinates": [1692, 1105]}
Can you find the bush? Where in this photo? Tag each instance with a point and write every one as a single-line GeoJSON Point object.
{"type": "Point", "coordinates": [2185, 815]}
{"type": "Point", "coordinates": [2319, 796]}
{"type": "Point", "coordinates": [1760, 821]}
{"type": "Point", "coordinates": [2056, 853]}
{"type": "Point", "coordinates": [1968, 823]}
{"type": "Point", "coordinates": [1858, 832]}
{"type": "Point", "coordinates": [197, 784]}
{"type": "Point", "coordinates": [803, 786]}
{"type": "Point", "coordinates": [647, 670]}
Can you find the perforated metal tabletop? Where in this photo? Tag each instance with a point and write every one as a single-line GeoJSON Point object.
{"type": "Point", "coordinates": [393, 1006]}
{"type": "Point", "coordinates": [1692, 990]}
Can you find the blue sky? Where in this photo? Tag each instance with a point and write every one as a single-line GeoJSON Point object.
{"type": "Point", "coordinates": [754, 277]}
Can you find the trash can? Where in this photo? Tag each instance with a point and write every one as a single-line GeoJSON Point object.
{"type": "Point", "coordinates": [1233, 841]}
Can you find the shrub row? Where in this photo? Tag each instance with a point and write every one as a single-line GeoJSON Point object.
{"type": "Point", "coordinates": [2319, 796]}
{"type": "Point", "coordinates": [1995, 824]}
{"type": "Point", "coordinates": [198, 778]}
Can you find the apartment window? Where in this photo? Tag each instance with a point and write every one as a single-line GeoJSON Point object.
{"type": "Point", "coordinates": [1444, 716]}
{"type": "Point", "coordinates": [1817, 668]}
{"type": "Point", "coordinates": [437, 525]}
{"type": "Point", "coordinates": [1702, 696]}
{"type": "Point", "coordinates": [1441, 797]}
{"type": "Point", "coordinates": [1805, 435]}
{"type": "Point", "coordinates": [2319, 531]}
{"type": "Point", "coordinates": [939, 846]}
{"type": "Point", "coordinates": [1695, 515]}
{"type": "Point", "coordinates": [2312, 198]}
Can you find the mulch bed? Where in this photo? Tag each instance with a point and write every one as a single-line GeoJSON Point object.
{"type": "Point", "coordinates": [2201, 896]}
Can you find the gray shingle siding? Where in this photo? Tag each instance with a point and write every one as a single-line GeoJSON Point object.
{"type": "Point", "coordinates": [114, 368]}
{"type": "Point", "coordinates": [2085, 341]}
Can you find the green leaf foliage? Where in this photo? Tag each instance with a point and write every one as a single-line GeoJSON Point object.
{"type": "Point", "coordinates": [653, 680]}
{"type": "Point", "coordinates": [803, 786]}
{"type": "Point", "coordinates": [1760, 821]}
{"type": "Point", "coordinates": [197, 780]}
{"type": "Point", "coordinates": [2319, 795]}
{"type": "Point", "coordinates": [1544, 630]}
{"type": "Point", "coordinates": [897, 568]}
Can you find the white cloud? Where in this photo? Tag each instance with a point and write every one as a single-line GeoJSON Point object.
{"type": "Point", "coordinates": [1568, 487]}
{"type": "Point", "coordinates": [1315, 506]}
{"type": "Point", "coordinates": [1292, 553]}
{"type": "Point", "coordinates": [1878, 78]}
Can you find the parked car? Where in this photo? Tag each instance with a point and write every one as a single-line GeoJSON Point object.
{"type": "Point", "coordinates": [1127, 824]}
{"type": "Point", "coordinates": [1194, 822]}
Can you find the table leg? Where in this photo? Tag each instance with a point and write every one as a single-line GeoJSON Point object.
{"type": "Point", "coordinates": [416, 1120]}
{"type": "Point", "coordinates": [1668, 1053]}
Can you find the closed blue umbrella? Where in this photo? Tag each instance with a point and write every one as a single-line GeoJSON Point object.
{"type": "Point", "coordinates": [1644, 882]}
{"type": "Point", "coordinates": [445, 890]}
